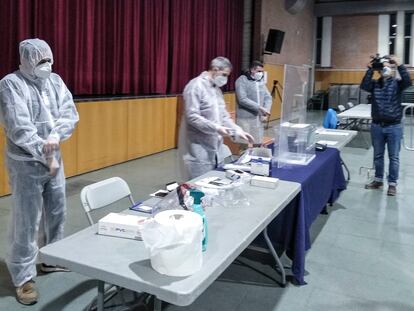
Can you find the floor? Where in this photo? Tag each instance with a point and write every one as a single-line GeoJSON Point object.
{"type": "Point", "coordinates": [361, 258]}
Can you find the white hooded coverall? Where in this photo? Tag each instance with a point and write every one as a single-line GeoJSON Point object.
{"type": "Point", "coordinates": [31, 110]}
{"type": "Point", "coordinates": [200, 144]}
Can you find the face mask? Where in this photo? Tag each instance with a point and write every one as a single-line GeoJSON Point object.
{"type": "Point", "coordinates": [43, 70]}
{"type": "Point", "coordinates": [220, 80]}
{"type": "Point", "coordinates": [258, 76]}
{"type": "Point", "coordinates": [386, 72]}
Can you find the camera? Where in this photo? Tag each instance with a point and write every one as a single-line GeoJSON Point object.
{"type": "Point", "coordinates": [377, 61]}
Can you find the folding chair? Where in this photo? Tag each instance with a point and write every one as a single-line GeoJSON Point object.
{"type": "Point", "coordinates": [350, 104]}
{"type": "Point", "coordinates": [341, 108]}
{"type": "Point", "coordinates": [104, 193]}
{"type": "Point", "coordinates": [99, 195]}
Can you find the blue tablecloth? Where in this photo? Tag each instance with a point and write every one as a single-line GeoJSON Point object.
{"type": "Point", "coordinates": [321, 182]}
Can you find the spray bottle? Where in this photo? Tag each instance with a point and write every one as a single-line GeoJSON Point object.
{"type": "Point", "coordinates": [197, 208]}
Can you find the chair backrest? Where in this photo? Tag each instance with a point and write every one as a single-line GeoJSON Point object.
{"type": "Point", "coordinates": [331, 120]}
{"type": "Point", "coordinates": [350, 104]}
{"type": "Point", "coordinates": [104, 193]}
{"type": "Point", "coordinates": [226, 153]}
{"type": "Point", "coordinates": [341, 108]}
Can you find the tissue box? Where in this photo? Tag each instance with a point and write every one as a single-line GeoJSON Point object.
{"type": "Point", "coordinates": [121, 225]}
{"type": "Point", "coordinates": [264, 182]}
{"type": "Point", "coordinates": [260, 165]}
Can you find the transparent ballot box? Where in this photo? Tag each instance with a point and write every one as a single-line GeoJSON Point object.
{"type": "Point", "coordinates": [296, 143]}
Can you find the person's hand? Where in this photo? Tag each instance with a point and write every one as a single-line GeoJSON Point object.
{"type": "Point", "coordinates": [394, 60]}
{"type": "Point", "coordinates": [53, 165]}
{"type": "Point", "coordinates": [264, 112]}
{"type": "Point", "coordinates": [224, 131]}
{"type": "Point", "coordinates": [264, 119]}
{"type": "Point", "coordinates": [51, 144]}
{"type": "Point", "coordinates": [246, 136]}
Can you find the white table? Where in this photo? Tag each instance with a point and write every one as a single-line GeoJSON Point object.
{"type": "Point", "coordinates": [337, 139]}
{"type": "Point", "coordinates": [126, 262]}
{"type": "Point", "coordinates": [360, 112]}
{"type": "Point", "coordinates": [334, 138]}
{"type": "Point", "coordinates": [356, 117]}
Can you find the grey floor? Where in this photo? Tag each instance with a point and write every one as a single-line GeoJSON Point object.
{"type": "Point", "coordinates": [362, 255]}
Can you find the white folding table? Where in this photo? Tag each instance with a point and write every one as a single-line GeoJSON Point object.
{"type": "Point", "coordinates": [126, 263]}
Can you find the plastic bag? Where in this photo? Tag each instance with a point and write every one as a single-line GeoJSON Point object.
{"type": "Point", "coordinates": [174, 240]}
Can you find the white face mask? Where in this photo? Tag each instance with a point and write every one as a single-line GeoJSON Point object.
{"type": "Point", "coordinates": [258, 76]}
{"type": "Point", "coordinates": [220, 80]}
{"type": "Point", "coordinates": [386, 72]}
{"type": "Point", "coordinates": [43, 71]}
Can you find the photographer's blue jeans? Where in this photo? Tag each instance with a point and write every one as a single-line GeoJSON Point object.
{"type": "Point", "coordinates": [391, 136]}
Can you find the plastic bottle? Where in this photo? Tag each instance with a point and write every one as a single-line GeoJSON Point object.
{"type": "Point", "coordinates": [197, 208]}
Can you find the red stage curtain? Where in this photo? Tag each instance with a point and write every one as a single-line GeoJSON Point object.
{"type": "Point", "coordinates": [134, 47]}
{"type": "Point", "coordinates": [213, 28]}
{"type": "Point", "coordinates": [16, 24]}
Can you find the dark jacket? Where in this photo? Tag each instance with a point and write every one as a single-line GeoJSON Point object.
{"type": "Point", "coordinates": [386, 96]}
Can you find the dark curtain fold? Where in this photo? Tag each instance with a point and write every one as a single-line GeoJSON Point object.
{"type": "Point", "coordinates": [16, 24]}
{"type": "Point", "coordinates": [134, 47]}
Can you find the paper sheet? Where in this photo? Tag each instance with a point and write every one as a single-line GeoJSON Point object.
{"type": "Point", "coordinates": [327, 142]}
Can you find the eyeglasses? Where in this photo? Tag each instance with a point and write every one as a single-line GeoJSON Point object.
{"type": "Point", "coordinates": [45, 60]}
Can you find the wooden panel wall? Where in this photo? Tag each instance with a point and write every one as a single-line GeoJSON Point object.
{"type": "Point", "coordinates": [102, 134]}
{"type": "Point", "coordinates": [230, 99]}
{"type": "Point", "coordinates": [151, 126]}
{"type": "Point", "coordinates": [4, 183]}
{"type": "Point", "coordinates": [275, 73]}
{"type": "Point", "coordinates": [111, 132]}
{"type": "Point", "coordinates": [326, 77]}
{"type": "Point", "coordinates": [338, 76]}
{"type": "Point", "coordinates": [70, 154]}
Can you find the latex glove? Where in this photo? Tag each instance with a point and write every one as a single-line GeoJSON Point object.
{"type": "Point", "coordinates": [53, 165]}
{"type": "Point", "coordinates": [225, 131]}
{"type": "Point", "coordinates": [246, 136]}
{"type": "Point", "coordinates": [264, 112]}
{"type": "Point", "coordinates": [51, 144]}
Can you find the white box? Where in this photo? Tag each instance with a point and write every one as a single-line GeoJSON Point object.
{"type": "Point", "coordinates": [260, 165]}
{"type": "Point", "coordinates": [121, 225]}
{"type": "Point", "coordinates": [264, 182]}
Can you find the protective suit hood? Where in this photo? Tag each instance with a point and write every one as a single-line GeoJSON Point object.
{"type": "Point", "coordinates": [32, 51]}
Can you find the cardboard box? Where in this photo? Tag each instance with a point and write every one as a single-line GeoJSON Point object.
{"type": "Point", "coordinates": [121, 225]}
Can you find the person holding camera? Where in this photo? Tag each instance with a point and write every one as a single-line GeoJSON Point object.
{"type": "Point", "coordinates": [386, 112]}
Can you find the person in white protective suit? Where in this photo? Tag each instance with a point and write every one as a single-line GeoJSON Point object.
{"type": "Point", "coordinates": [37, 112]}
{"type": "Point", "coordinates": [206, 120]}
{"type": "Point", "coordinates": [254, 101]}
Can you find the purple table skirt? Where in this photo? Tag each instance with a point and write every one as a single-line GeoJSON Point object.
{"type": "Point", "coordinates": [321, 181]}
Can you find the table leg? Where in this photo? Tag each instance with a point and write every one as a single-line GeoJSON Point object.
{"type": "Point", "coordinates": [157, 304]}
{"type": "Point", "coordinates": [346, 169]}
{"type": "Point", "coordinates": [275, 256]}
{"type": "Point", "coordinates": [100, 298]}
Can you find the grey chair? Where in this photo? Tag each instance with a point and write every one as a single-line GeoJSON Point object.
{"type": "Point", "coordinates": [99, 195]}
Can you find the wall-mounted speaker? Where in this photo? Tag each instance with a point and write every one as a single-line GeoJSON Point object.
{"type": "Point", "coordinates": [274, 41]}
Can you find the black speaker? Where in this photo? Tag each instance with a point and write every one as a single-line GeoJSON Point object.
{"type": "Point", "coordinates": [274, 41]}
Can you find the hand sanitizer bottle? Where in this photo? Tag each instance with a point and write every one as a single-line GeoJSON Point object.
{"type": "Point", "coordinates": [197, 208]}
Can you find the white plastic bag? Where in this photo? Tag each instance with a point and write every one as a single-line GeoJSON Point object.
{"type": "Point", "coordinates": [174, 239]}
